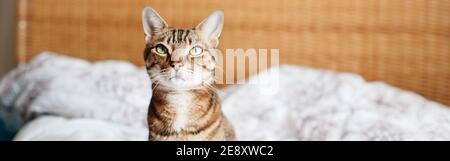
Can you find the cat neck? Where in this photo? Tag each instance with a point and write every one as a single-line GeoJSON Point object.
{"type": "Point", "coordinates": [182, 110]}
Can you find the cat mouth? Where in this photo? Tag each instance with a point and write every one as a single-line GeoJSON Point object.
{"type": "Point", "coordinates": [178, 75]}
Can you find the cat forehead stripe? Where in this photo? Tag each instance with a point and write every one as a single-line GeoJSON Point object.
{"type": "Point", "coordinates": [178, 36]}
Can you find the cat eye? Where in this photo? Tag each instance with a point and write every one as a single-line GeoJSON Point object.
{"type": "Point", "coordinates": [196, 51]}
{"type": "Point", "coordinates": [161, 49]}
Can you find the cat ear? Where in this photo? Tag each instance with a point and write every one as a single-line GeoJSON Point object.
{"type": "Point", "coordinates": [153, 23]}
{"type": "Point", "coordinates": [211, 27]}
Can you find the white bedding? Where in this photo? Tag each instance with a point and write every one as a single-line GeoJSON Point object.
{"type": "Point", "coordinates": [56, 97]}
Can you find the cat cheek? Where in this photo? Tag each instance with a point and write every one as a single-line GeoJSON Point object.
{"type": "Point", "coordinates": [210, 65]}
{"type": "Point", "coordinates": [148, 63]}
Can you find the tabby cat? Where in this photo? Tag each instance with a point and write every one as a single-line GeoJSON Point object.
{"type": "Point", "coordinates": [181, 64]}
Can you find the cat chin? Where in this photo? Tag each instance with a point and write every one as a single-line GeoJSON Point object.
{"type": "Point", "coordinates": [179, 84]}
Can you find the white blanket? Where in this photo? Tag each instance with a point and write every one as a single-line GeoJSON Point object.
{"type": "Point", "coordinates": [56, 97]}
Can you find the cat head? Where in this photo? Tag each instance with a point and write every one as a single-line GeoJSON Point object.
{"type": "Point", "coordinates": [181, 58]}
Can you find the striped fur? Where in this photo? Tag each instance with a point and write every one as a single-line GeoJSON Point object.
{"type": "Point", "coordinates": [184, 106]}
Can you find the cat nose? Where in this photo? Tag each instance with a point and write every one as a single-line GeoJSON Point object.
{"type": "Point", "coordinates": [176, 66]}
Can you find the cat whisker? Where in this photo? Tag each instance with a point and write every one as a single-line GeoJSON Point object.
{"type": "Point", "coordinates": [156, 85]}
{"type": "Point", "coordinates": [159, 74]}
{"type": "Point", "coordinates": [211, 87]}
{"type": "Point", "coordinates": [187, 70]}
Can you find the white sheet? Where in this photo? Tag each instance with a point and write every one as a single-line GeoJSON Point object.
{"type": "Point", "coordinates": [85, 101]}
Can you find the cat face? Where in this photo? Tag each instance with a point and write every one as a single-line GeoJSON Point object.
{"type": "Point", "coordinates": [181, 58]}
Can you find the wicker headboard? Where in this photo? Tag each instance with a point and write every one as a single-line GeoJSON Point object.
{"type": "Point", "coordinates": [403, 42]}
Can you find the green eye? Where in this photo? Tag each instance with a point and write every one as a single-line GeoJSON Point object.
{"type": "Point", "coordinates": [161, 49]}
{"type": "Point", "coordinates": [196, 51]}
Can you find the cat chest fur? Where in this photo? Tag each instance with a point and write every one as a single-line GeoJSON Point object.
{"type": "Point", "coordinates": [186, 116]}
{"type": "Point", "coordinates": [180, 103]}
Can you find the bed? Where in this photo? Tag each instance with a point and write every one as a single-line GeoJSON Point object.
{"type": "Point", "coordinates": [353, 70]}
{"type": "Point", "coordinates": [55, 97]}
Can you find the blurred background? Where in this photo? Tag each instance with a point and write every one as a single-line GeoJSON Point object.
{"type": "Point", "coordinates": [7, 47]}
{"type": "Point", "coordinates": [405, 43]}
{"type": "Point", "coordinates": [7, 38]}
